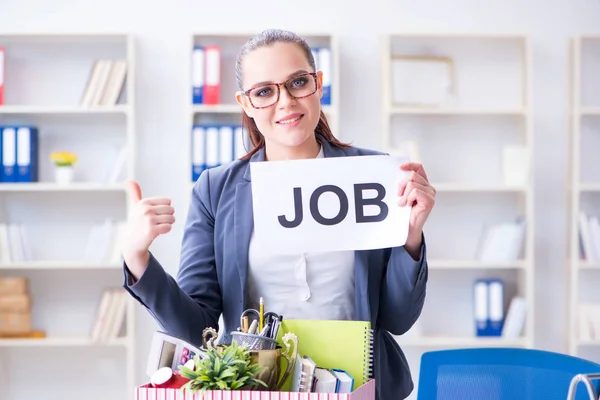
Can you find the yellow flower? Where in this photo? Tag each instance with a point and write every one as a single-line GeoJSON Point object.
{"type": "Point", "coordinates": [63, 158]}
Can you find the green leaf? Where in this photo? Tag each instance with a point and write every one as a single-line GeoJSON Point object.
{"type": "Point", "coordinates": [222, 385]}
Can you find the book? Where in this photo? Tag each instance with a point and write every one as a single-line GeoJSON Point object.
{"type": "Point", "coordinates": [340, 345]}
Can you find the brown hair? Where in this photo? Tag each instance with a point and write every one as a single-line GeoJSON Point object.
{"type": "Point", "coordinates": [268, 38]}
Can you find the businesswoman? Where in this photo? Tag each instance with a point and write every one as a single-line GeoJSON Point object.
{"type": "Point", "coordinates": [222, 273]}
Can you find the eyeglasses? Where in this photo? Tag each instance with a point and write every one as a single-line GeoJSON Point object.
{"type": "Point", "coordinates": [298, 87]}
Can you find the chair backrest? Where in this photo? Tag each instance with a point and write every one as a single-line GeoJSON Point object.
{"type": "Point", "coordinates": [500, 373]}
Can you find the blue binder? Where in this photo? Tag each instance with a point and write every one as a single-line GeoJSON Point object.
{"type": "Point", "coordinates": [198, 74]}
{"type": "Point", "coordinates": [9, 154]}
{"type": "Point", "coordinates": [27, 154]}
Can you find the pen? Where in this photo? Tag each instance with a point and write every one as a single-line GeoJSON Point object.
{"type": "Point", "coordinates": [245, 324]}
{"type": "Point", "coordinates": [261, 314]}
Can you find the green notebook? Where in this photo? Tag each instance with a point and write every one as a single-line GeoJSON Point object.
{"type": "Point", "coordinates": [346, 345]}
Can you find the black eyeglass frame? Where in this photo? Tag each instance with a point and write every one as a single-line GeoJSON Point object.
{"type": "Point", "coordinates": [278, 85]}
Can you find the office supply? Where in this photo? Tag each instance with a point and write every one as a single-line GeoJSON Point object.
{"type": "Point", "coordinates": [27, 154]}
{"type": "Point", "coordinates": [345, 345]}
{"type": "Point", "coordinates": [253, 327]}
{"type": "Point", "coordinates": [9, 154]}
{"type": "Point", "coordinates": [169, 351]}
{"type": "Point", "coordinates": [325, 381]}
{"type": "Point", "coordinates": [269, 322]}
{"type": "Point", "coordinates": [262, 313]}
{"type": "Point", "coordinates": [197, 78]}
{"type": "Point", "coordinates": [254, 341]}
{"type": "Point", "coordinates": [226, 145]}
{"type": "Point", "coordinates": [325, 66]}
{"type": "Point", "coordinates": [212, 78]}
{"type": "Point", "coordinates": [488, 302]}
{"type": "Point", "coordinates": [303, 375]}
{"type": "Point", "coordinates": [345, 381]}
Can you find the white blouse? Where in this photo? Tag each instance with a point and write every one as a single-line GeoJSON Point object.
{"type": "Point", "coordinates": [302, 286]}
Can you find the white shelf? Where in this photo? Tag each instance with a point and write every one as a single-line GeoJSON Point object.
{"type": "Point", "coordinates": [591, 111]}
{"type": "Point", "coordinates": [9, 109]}
{"type": "Point", "coordinates": [60, 342]}
{"type": "Point", "coordinates": [217, 108]}
{"type": "Point", "coordinates": [474, 264]}
{"type": "Point", "coordinates": [589, 187]}
{"type": "Point", "coordinates": [54, 187]}
{"type": "Point", "coordinates": [456, 111]}
{"type": "Point", "coordinates": [235, 109]}
{"type": "Point", "coordinates": [58, 265]}
{"type": "Point", "coordinates": [449, 341]}
{"type": "Point", "coordinates": [462, 187]}
{"type": "Point", "coordinates": [583, 264]}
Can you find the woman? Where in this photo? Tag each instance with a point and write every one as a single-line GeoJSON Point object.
{"type": "Point", "coordinates": [221, 273]}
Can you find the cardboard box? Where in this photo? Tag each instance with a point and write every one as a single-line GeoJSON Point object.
{"type": "Point", "coordinates": [147, 392]}
{"type": "Point", "coordinates": [16, 285]}
{"type": "Point", "coordinates": [17, 303]}
{"type": "Point", "coordinates": [11, 322]}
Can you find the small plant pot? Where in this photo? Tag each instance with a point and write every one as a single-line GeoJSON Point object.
{"type": "Point", "coordinates": [64, 174]}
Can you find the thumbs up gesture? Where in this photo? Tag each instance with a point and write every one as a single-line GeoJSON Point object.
{"type": "Point", "coordinates": [148, 218]}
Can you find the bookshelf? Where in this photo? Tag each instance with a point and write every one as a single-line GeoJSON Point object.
{"type": "Point", "coordinates": [227, 111]}
{"type": "Point", "coordinates": [67, 269]}
{"type": "Point", "coordinates": [467, 101]}
{"type": "Point", "coordinates": [583, 265]}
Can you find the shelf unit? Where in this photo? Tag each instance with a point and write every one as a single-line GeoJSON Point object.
{"type": "Point", "coordinates": [584, 191]}
{"type": "Point", "coordinates": [45, 78]}
{"type": "Point", "coordinates": [460, 142]}
{"type": "Point", "coordinates": [229, 111]}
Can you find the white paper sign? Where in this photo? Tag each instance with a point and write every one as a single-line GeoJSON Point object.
{"type": "Point", "coordinates": [328, 204]}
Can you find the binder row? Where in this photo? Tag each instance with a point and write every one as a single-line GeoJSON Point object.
{"type": "Point", "coordinates": [489, 307]}
{"type": "Point", "coordinates": [214, 145]}
{"type": "Point", "coordinates": [19, 153]}
{"type": "Point", "coordinates": [206, 73]}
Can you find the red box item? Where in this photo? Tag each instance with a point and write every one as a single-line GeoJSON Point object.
{"type": "Point", "coordinates": [147, 392]}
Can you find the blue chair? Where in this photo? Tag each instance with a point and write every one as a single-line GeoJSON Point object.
{"type": "Point", "coordinates": [504, 374]}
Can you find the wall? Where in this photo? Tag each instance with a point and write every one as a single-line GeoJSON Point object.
{"type": "Point", "coordinates": [163, 35]}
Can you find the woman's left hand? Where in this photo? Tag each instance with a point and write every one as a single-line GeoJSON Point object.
{"type": "Point", "coordinates": [415, 190]}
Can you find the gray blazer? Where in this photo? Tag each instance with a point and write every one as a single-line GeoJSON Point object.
{"type": "Point", "coordinates": [211, 280]}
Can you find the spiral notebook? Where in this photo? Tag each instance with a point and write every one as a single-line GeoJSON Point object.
{"type": "Point", "coordinates": [345, 345]}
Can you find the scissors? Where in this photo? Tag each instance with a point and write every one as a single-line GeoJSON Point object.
{"type": "Point", "coordinates": [270, 319]}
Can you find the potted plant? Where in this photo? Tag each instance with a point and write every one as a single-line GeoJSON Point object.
{"type": "Point", "coordinates": [222, 368]}
{"type": "Point", "coordinates": [64, 163]}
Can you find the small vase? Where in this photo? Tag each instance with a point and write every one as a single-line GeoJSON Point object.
{"type": "Point", "coordinates": [63, 174]}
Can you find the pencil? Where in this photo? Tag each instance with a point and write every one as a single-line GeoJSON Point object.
{"type": "Point", "coordinates": [261, 315]}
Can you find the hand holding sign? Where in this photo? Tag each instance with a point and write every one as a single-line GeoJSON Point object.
{"type": "Point", "coordinates": [148, 218]}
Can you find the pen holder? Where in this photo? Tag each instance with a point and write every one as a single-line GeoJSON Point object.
{"type": "Point", "coordinates": [254, 342]}
{"type": "Point", "coordinates": [271, 366]}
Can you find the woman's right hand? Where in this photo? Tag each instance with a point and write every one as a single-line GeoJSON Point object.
{"type": "Point", "coordinates": [148, 218]}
